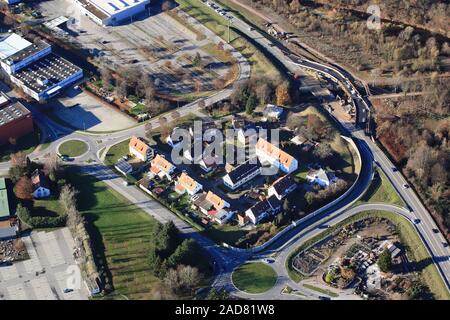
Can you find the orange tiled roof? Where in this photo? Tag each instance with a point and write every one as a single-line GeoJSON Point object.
{"type": "Point", "coordinates": [274, 152]}
{"type": "Point", "coordinates": [216, 201]}
{"type": "Point", "coordinates": [138, 145]}
{"type": "Point", "coordinates": [187, 182]}
{"type": "Point", "coordinates": [161, 163]}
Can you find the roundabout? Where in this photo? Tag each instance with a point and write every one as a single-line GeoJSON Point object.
{"type": "Point", "coordinates": [73, 148]}
{"type": "Point", "coordinates": [254, 278]}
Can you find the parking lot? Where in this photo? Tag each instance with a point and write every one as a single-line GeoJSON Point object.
{"type": "Point", "coordinates": [45, 274]}
{"type": "Point", "coordinates": [157, 44]}
{"type": "Point", "coordinates": [88, 113]}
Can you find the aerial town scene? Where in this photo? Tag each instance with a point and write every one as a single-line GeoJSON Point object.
{"type": "Point", "coordinates": [234, 150]}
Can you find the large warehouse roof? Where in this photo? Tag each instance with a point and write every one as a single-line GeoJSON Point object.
{"type": "Point", "coordinates": [112, 7]}
{"type": "Point", "coordinates": [12, 44]}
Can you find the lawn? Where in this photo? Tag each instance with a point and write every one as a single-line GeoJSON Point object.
{"type": "Point", "coordinates": [25, 144]}
{"type": "Point", "coordinates": [116, 152]}
{"type": "Point", "coordinates": [254, 277]}
{"type": "Point", "coordinates": [417, 253]}
{"type": "Point", "coordinates": [122, 234]}
{"type": "Point", "coordinates": [225, 233]}
{"type": "Point", "coordinates": [47, 207]}
{"type": "Point", "coordinates": [381, 191]}
{"type": "Point", "coordinates": [260, 63]}
{"type": "Point", "coordinates": [73, 148]}
{"type": "Point", "coordinates": [320, 290]}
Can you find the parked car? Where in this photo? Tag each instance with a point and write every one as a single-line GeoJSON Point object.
{"type": "Point", "coordinates": [406, 186]}
{"type": "Point", "coordinates": [435, 230]}
{"type": "Point", "coordinates": [67, 290]}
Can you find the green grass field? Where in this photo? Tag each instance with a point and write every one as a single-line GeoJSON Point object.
{"type": "Point", "coordinates": [381, 191]}
{"type": "Point", "coordinates": [123, 234]}
{"type": "Point", "coordinates": [116, 152]}
{"type": "Point", "coordinates": [73, 148]}
{"type": "Point", "coordinates": [254, 277]}
{"type": "Point", "coordinates": [417, 253]}
{"type": "Point", "coordinates": [225, 233]}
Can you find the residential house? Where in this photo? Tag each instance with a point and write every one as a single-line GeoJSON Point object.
{"type": "Point", "coordinates": [282, 187]}
{"type": "Point", "coordinates": [263, 209]}
{"type": "Point", "coordinates": [272, 112]}
{"type": "Point", "coordinates": [41, 185]}
{"type": "Point", "coordinates": [241, 174]}
{"type": "Point", "coordinates": [186, 184]}
{"type": "Point", "coordinates": [268, 152]}
{"type": "Point", "coordinates": [213, 206]}
{"type": "Point", "coordinates": [248, 134]}
{"type": "Point", "coordinates": [159, 166]}
{"type": "Point", "coordinates": [139, 149]}
{"type": "Point", "coordinates": [320, 177]}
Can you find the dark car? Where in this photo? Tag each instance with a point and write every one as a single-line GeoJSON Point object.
{"type": "Point", "coordinates": [445, 244]}
{"type": "Point", "coordinates": [324, 298]}
{"type": "Point", "coordinates": [435, 230]}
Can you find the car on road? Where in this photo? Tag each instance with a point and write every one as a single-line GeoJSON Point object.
{"type": "Point", "coordinates": [435, 230]}
{"type": "Point", "coordinates": [270, 44]}
{"type": "Point", "coordinates": [445, 244]}
{"type": "Point", "coordinates": [324, 298]}
{"type": "Point", "coordinates": [416, 221]}
{"type": "Point", "coordinates": [406, 186]}
{"type": "Point", "coordinates": [268, 260]}
{"type": "Point", "coordinates": [394, 169]}
{"type": "Point", "coordinates": [67, 290]}
{"type": "Point", "coordinates": [250, 29]}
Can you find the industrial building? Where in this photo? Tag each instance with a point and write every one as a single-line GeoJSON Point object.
{"type": "Point", "coordinates": [34, 68]}
{"type": "Point", "coordinates": [112, 12]}
{"type": "Point", "coordinates": [15, 120]}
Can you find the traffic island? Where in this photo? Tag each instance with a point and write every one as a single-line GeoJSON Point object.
{"type": "Point", "coordinates": [254, 278]}
{"type": "Point", "coordinates": [73, 148]}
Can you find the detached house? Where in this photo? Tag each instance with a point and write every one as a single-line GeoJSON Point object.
{"type": "Point", "coordinates": [40, 184]}
{"type": "Point", "coordinates": [263, 209]}
{"type": "Point", "coordinates": [282, 187]}
{"type": "Point", "coordinates": [139, 149]}
{"type": "Point", "coordinates": [267, 152]}
{"type": "Point", "coordinates": [159, 166]}
{"type": "Point", "coordinates": [186, 184]}
{"type": "Point", "coordinates": [321, 178]}
{"type": "Point", "coordinates": [213, 206]}
{"type": "Point", "coordinates": [241, 175]}
{"type": "Point", "coordinates": [272, 112]}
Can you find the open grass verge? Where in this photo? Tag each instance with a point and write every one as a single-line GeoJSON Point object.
{"type": "Point", "coordinates": [415, 248]}
{"type": "Point", "coordinates": [116, 152]}
{"type": "Point", "coordinates": [381, 191]}
{"type": "Point", "coordinates": [321, 290]}
{"type": "Point", "coordinates": [73, 148]}
{"type": "Point", "coordinates": [254, 277]}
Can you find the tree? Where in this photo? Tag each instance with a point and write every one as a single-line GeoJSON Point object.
{"type": "Point", "coordinates": [282, 94]}
{"type": "Point", "coordinates": [23, 214]}
{"type": "Point", "coordinates": [201, 104]}
{"type": "Point", "coordinates": [218, 294]}
{"type": "Point", "coordinates": [323, 151]}
{"type": "Point", "coordinates": [251, 104]}
{"type": "Point", "coordinates": [189, 277]}
{"type": "Point", "coordinates": [196, 62]}
{"type": "Point", "coordinates": [385, 261]}
{"type": "Point", "coordinates": [106, 76]}
{"type": "Point", "coordinates": [182, 253]}
{"type": "Point", "coordinates": [24, 189]}
{"type": "Point", "coordinates": [51, 166]}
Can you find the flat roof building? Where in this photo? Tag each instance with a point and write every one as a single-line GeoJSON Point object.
{"type": "Point", "coordinates": [112, 12]}
{"type": "Point", "coordinates": [34, 68]}
{"type": "Point", "coordinates": [15, 122]}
